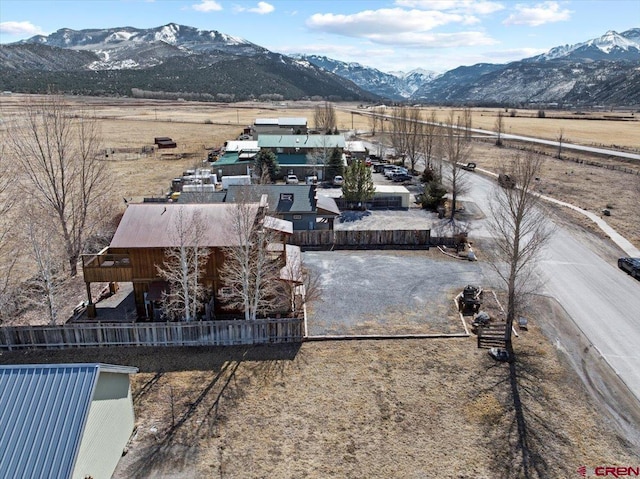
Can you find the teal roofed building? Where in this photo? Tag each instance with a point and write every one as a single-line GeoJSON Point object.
{"type": "Point", "coordinates": [300, 155]}
{"type": "Point", "coordinates": [294, 144]}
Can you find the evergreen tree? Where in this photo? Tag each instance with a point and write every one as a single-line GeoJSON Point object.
{"type": "Point", "coordinates": [434, 192]}
{"type": "Point", "coordinates": [335, 166]}
{"type": "Point", "coordinates": [358, 184]}
{"type": "Point", "coordinates": [266, 160]}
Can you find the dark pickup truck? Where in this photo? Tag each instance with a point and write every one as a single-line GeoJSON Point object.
{"type": "Point", "coordinates": [469, 167]}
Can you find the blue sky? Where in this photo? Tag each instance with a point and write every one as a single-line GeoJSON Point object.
{"type": "Point", "coordinates": [389, 35]}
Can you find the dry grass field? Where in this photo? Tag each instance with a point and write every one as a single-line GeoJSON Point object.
{"type": "Point", "coordinates": [360, 409]}
{"type": "Point", "coordinates": [365, 409]}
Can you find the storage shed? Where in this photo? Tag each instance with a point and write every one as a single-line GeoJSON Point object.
{"type": "Point", "coordinates": [64, 420]}
{"type": "Point", "coordinates": [389, 192]}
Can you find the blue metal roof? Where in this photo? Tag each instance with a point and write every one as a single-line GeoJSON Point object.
{"type": "Point", "coordinates": [281, 198]}
{"type": "Point", "coordinates": [43, 411]}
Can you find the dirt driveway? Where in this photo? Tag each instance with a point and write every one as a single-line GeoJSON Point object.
{"type": "Point", "coordinates": [389, 292]}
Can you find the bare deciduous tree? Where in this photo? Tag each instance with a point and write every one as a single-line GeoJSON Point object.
{"type": "Point", "coordinates": [499, 126]}
{"type": "Point", "coordinates": [432, 142]}
{"type": "Point", "coordinates": [560, 139]}
{"type": "Point", "coordinates": [467, 119]}
{"type": "Point", "coordinates": [46, 257]}
{"type": "Point", "coordinates": [458, 150]}
{"type": "Point", "coordinates": [251, 269]}
{"type": "Point", "coordinates": [183, 268]}
{"type": "Point", "coordinates": [520, 230]}
{"type": "Point", "coordinates": [376, 121]}
{"type": "Point", "coordinates": [399, 134]}
{"type": "Point", "coordinates": [318, 158]}
{"type": "Point", "coordinates": [57, 149]}
{"type": "Point", "coordinates": [324, 117]}
{"type": "Point", "coordinates": [415, 132]}
{"type": "Point", "coordinates": [8, 256]}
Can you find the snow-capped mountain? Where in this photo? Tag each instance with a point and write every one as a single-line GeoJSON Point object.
{"type": "Point", "coordinates": [128, 47]}
{"type": "Point", "coordinates": [611, 46]}
{"type": "Point", "coordinates": [415, 79]}
{"type": "Point", "coordinates": [393, 85]}
{"type": "Point", "coordinates": [176, 59]}
{"type": "Point", "coordinates": [168, 60]}
{"type": "Point", "coordinates": [601, 71]}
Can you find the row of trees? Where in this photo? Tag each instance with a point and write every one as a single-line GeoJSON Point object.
{"type": "Point", "coordinates": [50, 160]}
{"type": "Point", "coordinates": [253, 276]}
{"type": "Point", "coordinates": [517, 222]}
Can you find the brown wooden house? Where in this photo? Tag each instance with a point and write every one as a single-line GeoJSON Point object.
{"type": "Point", "coordinates": [143, 235]}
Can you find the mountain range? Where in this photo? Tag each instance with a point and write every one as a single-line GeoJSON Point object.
{"type": "Point", "coordinates": [180, 61]}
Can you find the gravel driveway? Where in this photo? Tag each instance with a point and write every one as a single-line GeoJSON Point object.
{"type": "Point", "coordinates": [388, 292]}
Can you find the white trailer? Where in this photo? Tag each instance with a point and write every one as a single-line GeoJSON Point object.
{"type": "Point", "coordinates": [235, 180]}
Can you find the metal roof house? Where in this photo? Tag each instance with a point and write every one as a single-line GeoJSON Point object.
{"type": "Point", "coordinates": [280, 126]}
{"type": "Point", "coordinates": [294, 152]}
{"type": "Point", "coordinates": [147, 230]}
{"type": "Point", "coordinates": [299, 204]}
{"type": "Point", "coordinates": [64, 421]}
{"type": "Point", "coordinates": [291, 144]}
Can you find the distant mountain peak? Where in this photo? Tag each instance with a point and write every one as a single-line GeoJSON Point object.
{"type": "Point", "coordinates": [610, 46]}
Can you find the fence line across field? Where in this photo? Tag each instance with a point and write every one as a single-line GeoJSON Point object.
{"type": "Point", "coordinates": [196, 333]}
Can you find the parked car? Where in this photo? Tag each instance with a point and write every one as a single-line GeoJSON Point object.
{"type": "Point", "coordinates": [379, 167]}
{"type": "Point", "coordinates": [396, 170]}
{"type": "Point", "coordinates": [631, 266]}
{"type": "Point", "coordinates": [399, 177]}
{"type": "Point", "coordinates": [387, 167]}
{"type": "Point", "coordinates": [292, 180]}
{"type": "Point", "coordinates": [338, 180]}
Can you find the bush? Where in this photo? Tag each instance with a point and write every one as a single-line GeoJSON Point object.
{"type": "Point", "coordinates": [427, 176]}
{"type": "Point", "coordinates": [433, 196]}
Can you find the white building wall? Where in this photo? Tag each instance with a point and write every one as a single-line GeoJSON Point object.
{"type": "Point", "coordinates": [109, 425]}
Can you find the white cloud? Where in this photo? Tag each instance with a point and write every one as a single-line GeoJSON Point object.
{"type": "Point", "coordinates": [406, 28]}
{"type": "Point", "coordinates": [539, 14]}
{"type": "Point", "coordinates": [262, 8]}
{"type": "Point", "coordinates": [383, 21]}
{"type": "Point", "coordinates": [466, 6]}
{"type": "Point", "coordinates": [20, 28]}
{"type": "Point", "coordinates": [207, 6]}
{"type": "Point", "coordinates": [433, 40]}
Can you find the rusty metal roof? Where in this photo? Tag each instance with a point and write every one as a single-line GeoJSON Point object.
{"type": "Point", "coordinates": [153, 225]}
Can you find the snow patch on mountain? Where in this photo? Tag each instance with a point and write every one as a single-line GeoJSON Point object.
{"type": "Point", "coordinates": [608, 44]}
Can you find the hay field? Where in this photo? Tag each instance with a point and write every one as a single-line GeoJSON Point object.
{"type": "Point", "coordinates": [621, 129]}
{"type": "Point", "coordinates": [133, 124]}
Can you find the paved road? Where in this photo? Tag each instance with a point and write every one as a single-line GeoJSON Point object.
{"type": "Point", "coordinates": [602, 300]}
{"type": "Point", "coordinates": [567, 146]}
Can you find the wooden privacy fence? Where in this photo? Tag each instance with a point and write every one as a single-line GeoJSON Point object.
{"type": "Point", "coordinates": [363, 239]}
{"type": "Point", "coordinates": [196, 333]}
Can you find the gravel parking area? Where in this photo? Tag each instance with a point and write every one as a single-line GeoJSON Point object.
{"type": "Point", "coordinates": [410, 219]}
{"type": "Point", "coordinates": [388, 292]}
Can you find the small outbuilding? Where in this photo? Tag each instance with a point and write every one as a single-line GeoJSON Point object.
{"type": "Point", "coordinates": [64, 420]}
{"type": "Point", "coordinates": [398, 195]}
